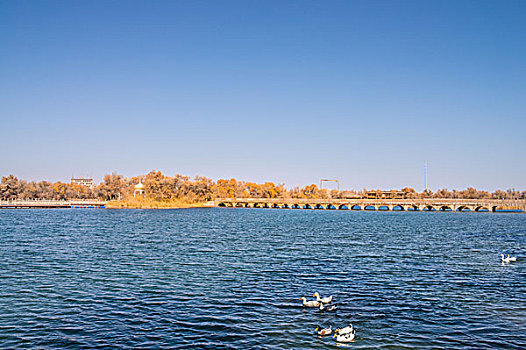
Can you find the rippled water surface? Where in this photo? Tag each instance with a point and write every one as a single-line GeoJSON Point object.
{"type": "Point", "coordinates": [231, 278]}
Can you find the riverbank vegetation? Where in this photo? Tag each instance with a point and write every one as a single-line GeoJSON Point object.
{"type": "Point", "coordinates": [162, 191]}
{"type": "Point", "coordinates": [140, 202]}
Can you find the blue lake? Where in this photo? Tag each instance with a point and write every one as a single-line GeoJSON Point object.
{"type": "Point", "coordinates": [231, 279]}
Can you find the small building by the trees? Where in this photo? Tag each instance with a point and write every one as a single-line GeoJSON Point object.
{"type": "Point", "coordinates": [138, 189]}
{"type": "Point", "coordinates": [83, 181]}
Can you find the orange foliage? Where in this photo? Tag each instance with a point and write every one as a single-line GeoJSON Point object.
{"type": "Point", "coordinates": [162, 188]}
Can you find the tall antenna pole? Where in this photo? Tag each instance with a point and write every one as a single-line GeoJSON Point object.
{"type": "Point", "coordinates": [425, 176]}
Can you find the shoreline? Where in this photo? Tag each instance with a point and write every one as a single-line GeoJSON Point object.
{"type": "Point", "coordinates": [166, 207]}
{"type": "Point", "coordinates": [139, 204]}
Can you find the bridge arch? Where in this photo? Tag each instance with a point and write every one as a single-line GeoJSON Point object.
{"type": "Point", "coordinates": [343, 207]}
{"type": "Point", "coordinates": [369, 207]}
{"type": "Point", "coordinates": [482, 208]}
{"type": "Point", "coordinates": [330, 207]}
{"type": "Point", "coordinates": [445, 208]}
{"type": "Point", "coordinates": [355, 207]}
{"type": "Point", "coordinates": [383, 208]}
{"type": "Point", "coordinates": [398, 207]}
{"type": "Point", "coordinates": [429, 208]}
{"type": "Point", "coordinates": [464, 208]}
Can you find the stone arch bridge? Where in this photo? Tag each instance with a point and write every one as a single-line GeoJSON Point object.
{"type": "Point", "coordinates": [431, 204]}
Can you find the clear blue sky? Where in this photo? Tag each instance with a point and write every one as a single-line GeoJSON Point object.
{"type": "Point", "coordinates": [283, 91]}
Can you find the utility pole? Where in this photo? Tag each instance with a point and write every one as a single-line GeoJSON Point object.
{"type": "Point", "coordinates": [425, 177]}
{"type": "Point", "coordinates": [326, 180]}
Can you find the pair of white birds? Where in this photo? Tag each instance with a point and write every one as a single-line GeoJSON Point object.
{"type": "Point", "coordinates": [508, 259]}
{"type": "Point", "coordinates": [342, 335]}
{"type": "Point", "coordinates": [345, 334]}
{"type": "Point", "coordinates": [316, 303]}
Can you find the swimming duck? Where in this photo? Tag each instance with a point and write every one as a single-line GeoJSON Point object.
{"type": "Point", "coordinates": [325, 300]}
{"type": "Point", "coordinates": [345, 338]}
{"type": "Point", "coordinates": [323, 331]}
{"type": "Point", "coordinates": [328, 308]}
{"type": "Point", "coordinates": [508, 259]}
{"type": "Point", "coordinates": [344, 330]}
{"type": "Point", "coordinates": [310, 303]}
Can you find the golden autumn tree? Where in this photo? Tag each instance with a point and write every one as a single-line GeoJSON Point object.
{"type": "Point", "coordinates": [227, 188]}
{"type": "Point", "coordinates": [60, 190]}
{"type": "Point", "coordinates": [310, 191]}
{"type": "Point", "coordinates": [111, 186]}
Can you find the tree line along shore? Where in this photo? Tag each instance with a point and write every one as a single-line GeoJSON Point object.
{"type": "Point", "coordinates": [162, 191]}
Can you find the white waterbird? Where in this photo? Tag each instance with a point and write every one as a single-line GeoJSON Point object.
{"type": "Point", "coordinates": [345, 338]}
{"type": "Point", "coordinates": [344, 330]}
{"type": "Point", "coordinates": [508, 259]}
{"type": "Point", "coordinates": [329, 308]}
{"type": "Point", "coordinates": [325, 300]}
{"type": "Point", "coordinates": [310, 303]}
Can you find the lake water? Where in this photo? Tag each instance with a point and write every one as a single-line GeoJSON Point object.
{"type": "Point", "coordinates": [231, 279]}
